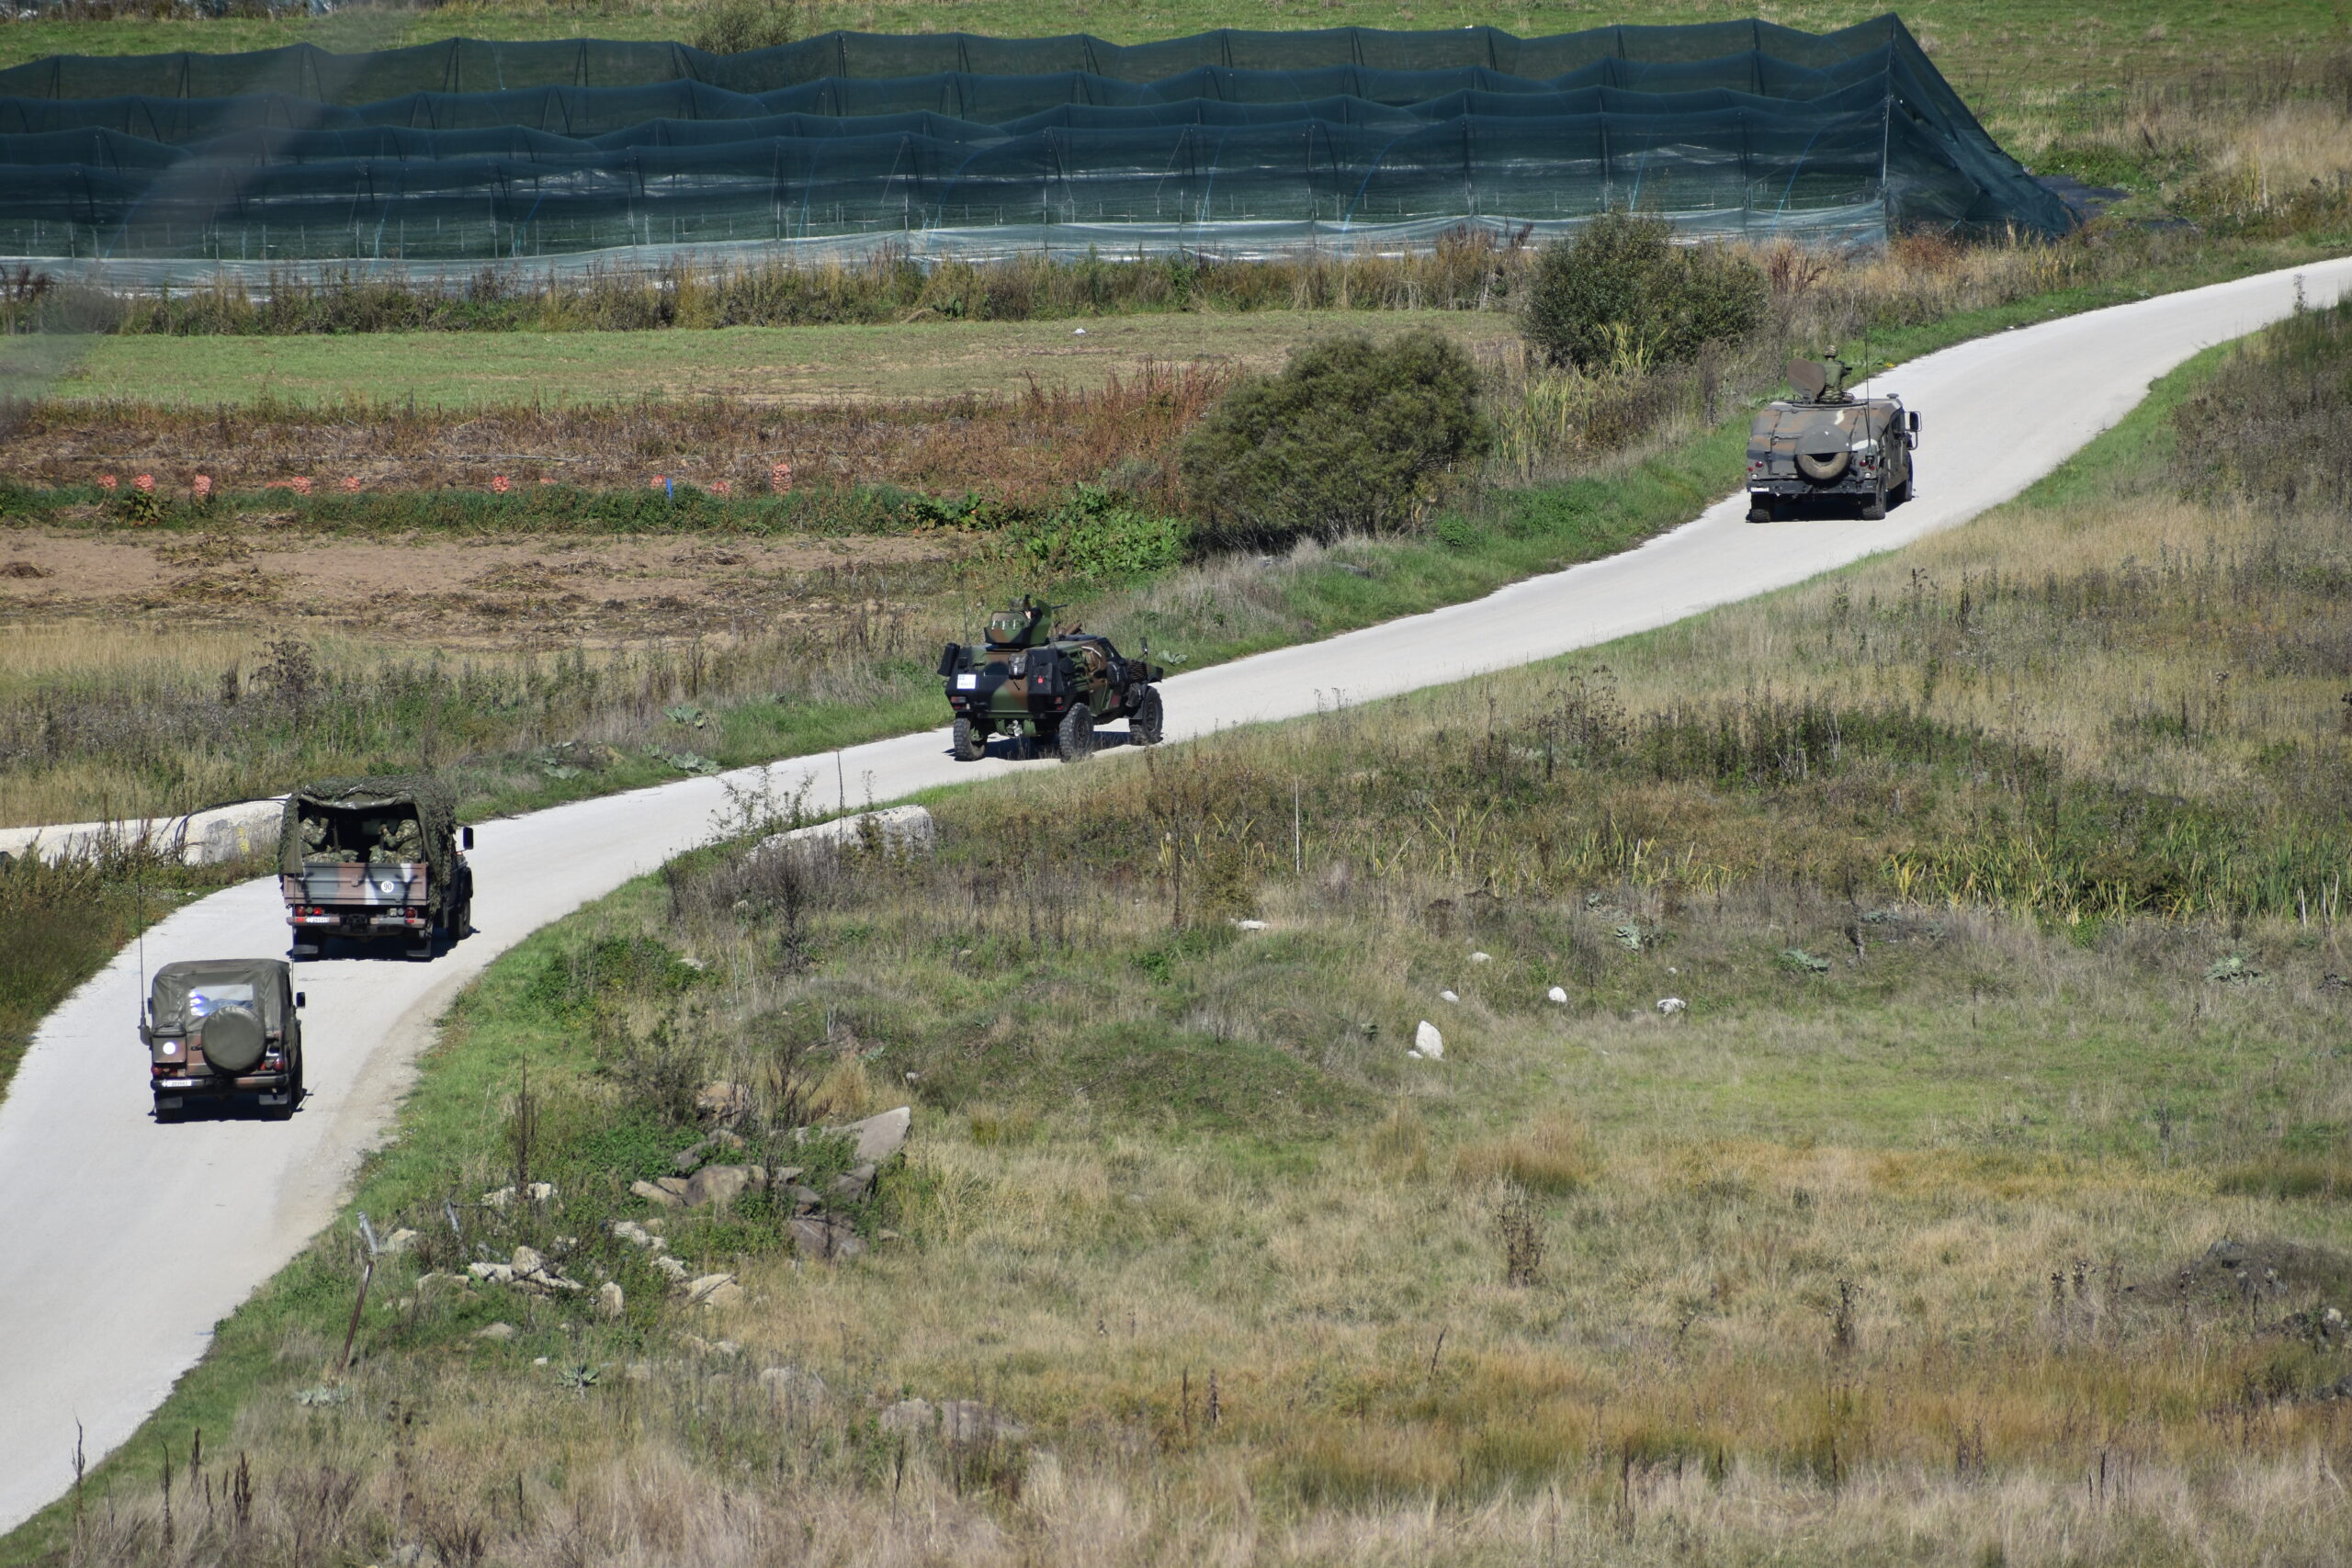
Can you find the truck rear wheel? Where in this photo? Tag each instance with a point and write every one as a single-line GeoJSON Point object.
{"type": "Point", "coordinates": [969, 745]}
{"type": "Point", "coordinates": [1075, 738]}
{"type": "Point", "coordinates": [1874, 509]}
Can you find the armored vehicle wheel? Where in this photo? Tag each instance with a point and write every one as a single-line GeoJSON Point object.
{"type": "Point", "coordinates": [969, 744]}
{"type": "Point", "coordinates": [1759, 512]}
{"type": "Point", "coordinates": [1143, 729]}
{"type": "Point", "coordinates": [170, 1108]}
{"type": "Point", "coordinates": [1874, 509]}
{"type": "Point", "coordinates": [1075, 738]}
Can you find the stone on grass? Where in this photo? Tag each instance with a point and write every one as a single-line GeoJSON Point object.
{"type": "Point", "coordinates": [400, 1241]}
{"type": "Point", "coordinates": [850, 1186]}
{"type": "Point", "coordinates": [1250, 925]}
{"type": "Point", "coordinates": [908, 1415]}
{"type": "Point", "coordinates": [1428, 1042]}
{"type": "Point", "coordinates": [1672, 1005]}
{"type": "Point", "coordinates": [711, 1290]}
{"type": "Point", "coordinates": [636, 1235]}
{"type": "Point", "coordinates": [660, 1196]}
{"type": "Point", "coordinates": [969, 1421]}
{"type": "Point", "coordinates": [493, 1273]}
{"type": "Point", "coordinates": [793, 1388]}
{"type": "Point", "coordinates": [638, 1372]}
{"type": "Point", "coordinates": [500, 1332]}
{"type": "Point", "coordinates": [1447, 996]}
{"type": "Point", "coordinates": [1557, 994]}
{"type": "Point", "coordinates": [723, 1101]}
{"type": "Point", "coordinates": [610, 1302]}
{"type": "Point", "coordinates": [825, 1239]}
{"type": "Point", "coordinates": [1482, 958]}
{"type": "Point", "coordinates": [722, 1184]}
{"type": "Point", "coordinates": [671, 1269]}
{"type": "Point", "coordinates": [879, 1137]}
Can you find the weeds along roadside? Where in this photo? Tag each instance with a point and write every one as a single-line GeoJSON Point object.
{"type": "Point", "coordinates": [1918, 1175]}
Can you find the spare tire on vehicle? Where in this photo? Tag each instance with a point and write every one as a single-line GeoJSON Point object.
{"type": "Point", "coordinates": [232, 1039]}
{"type": "Point", "coordinates": [1823, 467]}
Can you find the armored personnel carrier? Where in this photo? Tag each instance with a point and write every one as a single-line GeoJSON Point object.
{"type": "Point", "coordinates": [1826, 445]}
{"type": "Point", "coordinates": [1046, 685]}
{"type": "Point", "coordinates": [221, 1027]}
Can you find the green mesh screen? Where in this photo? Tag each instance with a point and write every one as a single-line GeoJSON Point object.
{"type": "Point", "coordinates": [1244, 142]}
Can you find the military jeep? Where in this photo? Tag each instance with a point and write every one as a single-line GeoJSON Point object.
{"type": "Point", "coordinates": [1826, 445]}
{"type": "Point", "coordinates": [221, 1027]}
{"type": "Point", "coordinates": [1035, 683]}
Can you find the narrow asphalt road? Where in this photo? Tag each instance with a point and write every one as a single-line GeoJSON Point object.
{"type": "Point", "coordinates": [123, 1242]}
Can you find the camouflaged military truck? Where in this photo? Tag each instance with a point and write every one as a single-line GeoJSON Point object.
{"type": "Point", "coordinates": [1826, 445]}
{"type": "Point", "coordinates": [372, 859]}
{"type": "Point", "coordinates": [1058, 683]}
{"type": "Point", "coordinates": [221, 1027]}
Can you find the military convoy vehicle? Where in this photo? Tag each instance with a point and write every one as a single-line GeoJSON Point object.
{"type": "Point", "coordinates": [221, 1027]}
{"type": "Point", "coordinates": [1056, 683]}
{"type": "Point", "coordinates": [1825, 443]}
{"type": "Point", "coordinates": [371, 858]}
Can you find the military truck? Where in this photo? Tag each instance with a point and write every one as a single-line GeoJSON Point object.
{"type": "Point", "coordinates": [1826, 445]}
{"type": "Point", "coordinates": [375, 859]}
{"type": "Point", "coordinates": [222, 1027]}
{"type": "Point", "coordinates": [1049, 682]}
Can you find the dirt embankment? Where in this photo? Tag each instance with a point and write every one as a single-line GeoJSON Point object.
{"type": "Point", "coordinates": [512, 592]}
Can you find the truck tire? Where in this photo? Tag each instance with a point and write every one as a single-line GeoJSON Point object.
{"type": "Point", "coordinates": [1076, 736]}
{"type": "Point", "coordinates": [1760, 512]}
{"type": "Point", "coordinates": [1874, 509]}
{"type": "Point", "coordinates": [293, 1091]}
{"type": "Point", "coordinates": [1143, 729]}
{"type": "Point", "coordinates": [969, 745]}
{"type": "Point", "coordinates": [1823, 467]}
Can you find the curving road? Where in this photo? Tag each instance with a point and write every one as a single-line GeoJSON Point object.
{"type": "Point", "coordinates": [122, 1242]}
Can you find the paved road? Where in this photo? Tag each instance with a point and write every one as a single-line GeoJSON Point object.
{"type": "Point", "coordinates": [122, 1242]}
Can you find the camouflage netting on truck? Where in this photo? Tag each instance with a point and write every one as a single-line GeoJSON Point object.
{"type": "Point", "coordinates": [951, 144]}
{"type": "Point", "coordinates": [333, 819]}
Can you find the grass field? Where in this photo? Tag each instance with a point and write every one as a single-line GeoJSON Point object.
{"type": "Point", "coordinates": [748, 365]}
{"type": "Point", "coordinates": [2024, 66]}
{"type": "Point", "coordinates": [1981, 1201]}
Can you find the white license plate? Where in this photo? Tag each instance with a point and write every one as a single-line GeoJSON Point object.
{"type": "Point", "coordinates": [968, 682]}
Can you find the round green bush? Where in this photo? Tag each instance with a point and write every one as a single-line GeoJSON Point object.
{"type": "Point", "coordinates": [1621, 296]}
{"type": "Point", "coordinates": [1353, 437]}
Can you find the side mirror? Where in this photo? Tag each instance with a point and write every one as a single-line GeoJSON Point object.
{"type": "Point", "coordinates": [301, 999]}
{"type": "Point", "coordinates": [466, 837]}
{"type": "Point", "coordinates": [1915, 423]}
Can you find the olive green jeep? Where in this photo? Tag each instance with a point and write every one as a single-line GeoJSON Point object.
{"type": "Point", "coordinates": [223, 1027]}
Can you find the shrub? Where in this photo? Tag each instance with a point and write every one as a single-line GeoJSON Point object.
{"type": "Point", "coordinates": [1622, 296]}
{"type": "Point", "coordinates": [1353, 437]}
{"type": "Point", "coordinates": [730, 26]}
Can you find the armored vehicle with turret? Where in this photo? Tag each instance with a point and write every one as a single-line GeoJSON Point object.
{"type": "Point", "coordinates": [1046, 685]}
{"type": "Point", "coordinates": [375, 860]}
{"type": "Point", "coordinates": [1825, 446]}
{"type": "Point", "coordinates": [218, 1028]}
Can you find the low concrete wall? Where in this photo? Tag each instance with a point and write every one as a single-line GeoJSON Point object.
{"type": "Point", "coordinates": [206, 838]}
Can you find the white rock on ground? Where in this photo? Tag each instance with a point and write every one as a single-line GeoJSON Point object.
{"type": "Point", "coordinates": [879, 1137]}
{"type": "Point", "coordinates": [1447, 996]}
{"type": "Point", "coordinates": [1428, 1042]}
{"type": "Point", "coordinates": [1482, 958]}
{"type": "Point", "coordinates": [610, 1302]}
{"type": "Point", "coordinates": [1557, 994]}
{"type": "Point", "coordinates": [1672, 1005]}
{"type": "Point", "coordinates": [899, 829]}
